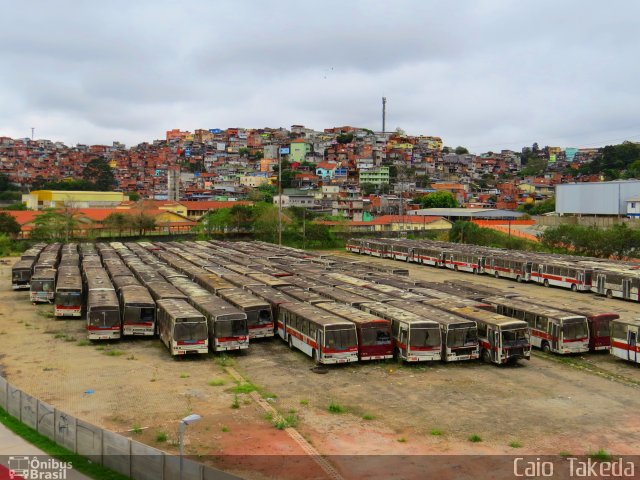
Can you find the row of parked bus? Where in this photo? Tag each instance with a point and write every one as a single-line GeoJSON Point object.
{"type": "Point", "coordinates": [333, 309]}
{"type": "Point", "coordinates": [615, 279]}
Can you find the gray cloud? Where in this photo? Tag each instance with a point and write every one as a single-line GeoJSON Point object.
{"type": "Point", "coordinates": [487, 74]}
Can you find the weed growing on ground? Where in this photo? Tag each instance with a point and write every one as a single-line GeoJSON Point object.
{"type": "Point", "coordinates": [114, 353]}
{"type": "Point", "coordinates": [246, 387]}
{"type": "Point", "coordinates": [83, 343]}
{"type": "Point", "coordinates": [335, 407]}
{"type": "Point", "coordinates": [225, 429]}
{"type": "Point", "coordinates": [184, 375]}
{"type": "Point", "coordinates": [235, 403]}
{"type": "Point", "coordinates": [515, 444]}
{"type": "Point", "coordinates": [402, 440]}
{"type": "Point", "coordinates": [475, 438]}
{"type": "Point", "coordinates": [601, 455]}
{"type": "Point", "coordinates": [161, 437]}
{"type": "Point", "coordinates": [137, 429]}
{"type": "Point", "coordinates": [216, 382]}
{"type": "Point", "coordinates": [436, 432]}
{"type": "Point", "coordinates": [304, 402]}
{"type": "Point", "coordinates": [368, 416]}
{"type": "Point", "coordinates": [225, 361]}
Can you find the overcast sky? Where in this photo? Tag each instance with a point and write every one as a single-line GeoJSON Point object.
{"type": "Point", "coordinates": [484, 74]}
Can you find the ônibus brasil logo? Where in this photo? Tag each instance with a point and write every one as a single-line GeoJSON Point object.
{"type": "Point", "coordinates": [34, 468]}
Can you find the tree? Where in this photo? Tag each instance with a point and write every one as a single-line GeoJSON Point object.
{"type": "Point", "coordinates": [117, 221]}
{"type": "Point", "coordinates": [5, 183]}
{"type": "Point", "coordinates": [54, 226]}
{"type": "Point", "coordinates": [461, 150]}
{"type": "Point", "coordinates": [368, 188]}
{"type": "Point", "coordinates": [265, 223]}
{"type": "Point", "coordinates": [100, 174]}
{"type": "Point", "coordinates": [263, 193]}
{"type": "Point", "coordinates": [538, 208]}
{"type": "Point", "coordinates": [345, 138]}
{"type": "Point", "coordinates": [423, 181]}
{"type": "Point", "coordinates": [215, 220]}
{"type": "Point", "coordinates": [143, 222]}
{"type": "Point", "coordinates": [241, 217]}
{"type": "Point", "coordinates": [439, 199]}
{"type": "Point", "coordinates": [244, 152]}
{"type": "Point", "coordinates": [133, 196]}
{"type": "Point", "coordinates": [9, 225]}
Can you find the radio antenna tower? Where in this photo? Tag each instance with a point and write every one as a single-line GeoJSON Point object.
{"type": "Point", "coordinates": [384, 113]}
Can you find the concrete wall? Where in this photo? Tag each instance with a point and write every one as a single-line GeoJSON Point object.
{"type": "Point", "coordinates": [595, 198]}
{"type": "Point", "coordinates": [592, 221]}
{"type": "Point", "coordinates": [118, 453]}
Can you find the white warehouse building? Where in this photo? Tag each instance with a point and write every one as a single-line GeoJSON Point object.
{"type": "Point", "coordinates": [596, 198]}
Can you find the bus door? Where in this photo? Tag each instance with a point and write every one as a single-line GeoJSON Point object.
{"type": "Point", "coordinates": [495, 348]}
{"type": "Point", "coordinates": [528, 267]}
{"type": "Point", "coordinates": [633, 341]}
{"type": "Point", "coordinates": [320, 342]}
{"type": "Point", "coordinates": [580, 278]}
{"type": "Point", "coordinates": [410, 255]}
{"type": "Point", "coordinates": [600, 284]}
{"type": "Point", "coordinates": [626, 288]}
{"type": "Point", "coordinates": [555, 336]}
{"type": "Point", "coordinates": [403, 341]}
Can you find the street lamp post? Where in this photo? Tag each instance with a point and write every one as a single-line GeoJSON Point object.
{"type": "Point", "coordinates": [279, 197]}
{"type": "Point", "coordinates": [183, 426]}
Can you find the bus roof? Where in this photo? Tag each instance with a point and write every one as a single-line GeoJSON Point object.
{"type": "Point", "coordinates": [340, 295]}
{"type": "Point", "coordinates": [478, 315]}
{"type": "Point", "coordinates": [351, 313]}
{"type": "Point", "coordinates": [243, 299]}
{"type": "Point", "coordinates": [395, 314]}
{"type": "Point", "coordinates": [136, 294]}
{"type": "Point", "coordinates": [214, 307]}
{"type": "Point", "coordinates": [431, 313]}
{"type": "Point", "coordinates": [519, 304]}
{"type": "Point", "coordinates": [316, 315]}
{"type": "Point", "coordinates": [164, 290]}
{"type": "Point", "coordinates": [178, 309]}
{"type": "Point", "coordinates": [102, 298]}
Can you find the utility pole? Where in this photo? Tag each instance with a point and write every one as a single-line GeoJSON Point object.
{"type": "Point", "coordinates": [384, 113]}
{"type": "Point", "coordinates": [33, 129]}
{"type": "Point", "coordinates": [279, 197]}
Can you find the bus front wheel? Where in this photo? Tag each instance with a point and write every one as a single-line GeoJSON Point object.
{"type": "Point", "coordinates": [314, 356]}
{"type": "Point", "coordinates": [519, 279]}
{"type": "Point", "coordinates": [546, 348]}
{"type": "Point", "coordinates": [574, 287]}
{"type": "Point", "coordinates": [546, 282]}
{"type": "Point", "coordinates": [609, 294]}
{"type": "Point", "coordinates": [486, 358]}
{"type": "Point", "coordinates": [290, 343]}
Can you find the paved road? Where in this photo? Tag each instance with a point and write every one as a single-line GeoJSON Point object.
{"type": "Point", "coordinates": [12, 445]}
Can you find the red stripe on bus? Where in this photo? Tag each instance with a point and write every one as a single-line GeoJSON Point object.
{"type": "Point", "coordinates": [625, 346]}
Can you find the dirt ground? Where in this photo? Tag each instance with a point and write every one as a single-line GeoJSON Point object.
{"type": "Point", "coordinates": [390, 410]}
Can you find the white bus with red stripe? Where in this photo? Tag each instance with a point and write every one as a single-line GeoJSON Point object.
{"type": "Point", "coordinates": [625, 339]}
{"type": "Point", "coordinates": [620, 283]}
{"type": "Point", "coordinates": [508, 266]}
{"type": "Point", "coordinates": [68, 297]}
{"type": "Point", "coordinates": [227, 324]}
{"type": "Point", "coordinates": [181, 327]}
{"type": "Point", "coordinates": [258, 311]}
{"type": "Point", "coordinates": [501, 339]}
{"type": "Point", "coordinates": [138, 311]}
{"type": "Point", "coordinates": [552, 330]}
{"type": "Point", "coordinates": [429, 255]}
{"type": "Point", "coordinates": [464, 261]}
{"type": "Point", "coordinates": [354, 245]}
{"type": "Point", "coordinates": [562, 274]}
{"type": "Point", "coordinates": [416, 339]}
{"type": "Point", "coordinates": [323, 336]}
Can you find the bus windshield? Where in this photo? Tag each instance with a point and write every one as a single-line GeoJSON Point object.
{"type": "Point", "coordinates": [190, 331]}
{"type": "Point", "coordinates": [340, 339]}
{"type": "Point", "coordinates": [460, 337]}
{"type": "Point", "coordinates": [18, 275]}
{"type": "Point", "coordinates": [135, 314]}
{"type": "Point", "coordinates": [513, 338]}
{"type": "Point", "coordinates": [372, 335]}
{"type": "Point", "coordinates": [424, 337]}
{"type": "Point", "coordinates": [104, 319]}
{"type": "Point", "coordinates": [602, 327]}
{"type": "Point", "coordinates": [574, 329]}
{"type": "Point", "coordinates": [68, 299]}
{"type": "Point", "coordinates": [231, 328]}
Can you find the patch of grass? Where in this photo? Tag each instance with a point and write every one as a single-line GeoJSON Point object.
{"type": "Point", "coordinates": [304, 402]}
{"type": "Point", "coordinates": [114, 353]}
{"type": "Point", "coordinates": [436, 432]}
{"type": "Point", "coordinates": [235, 403]}
{"type": "Point", "coordinates": [225, 360]}
{"type": "Point", "coordinates": [246, 387]}
{"type": "Point", "coordinates": [335, 407]}
{"type": "Point", "coordinates": [266, 395]}
{"type": "Point", "coordinates": [268, 416]}
{"type": "Point", "coordinates": [100, 348]}
{"type": "Point", "coordinates": [80, 464]}
{"type": "Point", "coordinates": [161, 437]}
{"type": "Point", "coordinates": [216, 382]}
{"type": "Point", "coordinates": [565, 454]}
{"type": "Point", "coordinates": [60, 335]}
{"type": "Point", "coordinates": [83, 343]}
{"type": "Point", "coordinates": [137, 429]}
{"type": "Point", "coordinates": [225, 429]}
{"type": "Point", "coordinates": [515, 444]}
{"type": "Point", "coordinates": [368, 416]}
{"type": "Point", "coordinates": [475, 438]}
{"type": "Point", "coordinates": [184, 375]}
{"type": "Point", "coordinates": [402, 440]}
{"type": "Point", "coordinates": [292, 410]}
{"type": "Point", "coordinates": [285, 422]}
{"type": "Point", "coordinates": [601, 455]}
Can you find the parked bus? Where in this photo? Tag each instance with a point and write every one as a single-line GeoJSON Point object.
{"type": "Point", "coordinates": [416, 339]}
{"type": "Point", "coordinates": [21, 274]}
{"type": "Point", "coordinates": [103, 314]}
{"type": "Point", "coordinates": [68, 297]}
{"type": "Point", "coordinates": [459, 335]}
{"type": "Point", "coordinates": [42, 286]}
{"type": "Point", "coordinates": [321, 335]}
{"type": "Point", "coordinates": [618, 283]}
{"type": "Point", "coordinates": [599, 321]}
{"type": "Point", "coordinates": [509, 266]}
{"type": "Point", "coordinates": [340, 296]}
{"type": "Point", "coordinates": [259, 319]}
{"type": "Point", "coordinates": [552, 330]}
{"type": "Point", "coordinates": [563, 274]}
{"type": "Point", "coordinates": [502, 339]}
{"type": "Point", "coordinates": [181, 327]}
{"type": "Point", "coordinates": [374, 333]}
{"type": "Point", "coordinates": [227, 325]}
{"type": "Point", "coordinates": [625, 339]}
{"type": "Point", "coordinates": [273, 297]}
{"type": "Point", "coordinates": [138, 311]}
{"type": "Point", "coordinates": [471, 262]}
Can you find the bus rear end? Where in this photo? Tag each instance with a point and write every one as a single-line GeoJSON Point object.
{"type": "Point", "coordinates": [340, 344]}
{"type": "Point", "coordinates": [260, 322]}
{"type": "Point", "coordinates": [138, 320]}
{"type": "Point", "coordinates": [190, 336]}
{"type": "Point", "coordinates": [461, 342]}
{"type": "Point", "coordinates": [374, 340]}
{"type": "Point", "coordinates": [230, 332]}
{"type": "Point", "coordinates": [574, 335]}
{"type": "Point", "coordinates": [103, 323]}
{"type": "Point", "coordinates": [425, 342]}
{"type": "Point", "coordinates": [68, 302]}
{"type": "Point", "coordinates": [600, 331]}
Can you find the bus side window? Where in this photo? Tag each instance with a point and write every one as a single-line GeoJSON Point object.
{"type": "Point", "coordinates": [530, 318]}
{"type": "Point", "coordinates": [482, 330]}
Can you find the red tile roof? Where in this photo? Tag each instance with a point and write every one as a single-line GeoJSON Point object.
{"type": "Point", "coordinates": [212, 205]}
